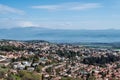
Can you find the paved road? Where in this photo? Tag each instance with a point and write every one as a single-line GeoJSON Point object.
{"type": "Point", "coordinates": [48, 66]}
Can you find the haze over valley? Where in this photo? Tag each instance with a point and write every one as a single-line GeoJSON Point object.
{"type": "Point", "coordinates": [60, 35]}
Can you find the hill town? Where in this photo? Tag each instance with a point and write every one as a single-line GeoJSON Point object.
{"type": "Point", "coordinates": [42, 60]}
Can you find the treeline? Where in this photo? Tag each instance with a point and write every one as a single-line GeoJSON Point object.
{"type": "Point", "coordinates": [66, 53]}
{"type": "Point", "coordinates": [36, 41]}
{"type": "Point", "coordinates": [11, 48]}
{"type": "Point", "coordinates": [101, 60]}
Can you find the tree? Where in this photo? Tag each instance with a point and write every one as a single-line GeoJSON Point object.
{"type": "Point", "coordinates": [2, 74]}
{"type": "Point", "coordinates": [25, 75]}
{"type": "Point", "coordinates": [91, 78]}
{"type": "Point", "coordinates": [38, 68]}
{"type": "Point", "coordinates": [67, 78]}
{"type": "Point", "coordinates": [13, 77]}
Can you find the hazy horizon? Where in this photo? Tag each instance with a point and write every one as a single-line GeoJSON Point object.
{"type": "Point", "coordinates": [54, 28]}
{"type": "Point", "coordinates": [60, 35]}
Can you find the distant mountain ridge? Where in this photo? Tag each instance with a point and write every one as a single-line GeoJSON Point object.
{"type": "Point", "coordinates": [57, 35]}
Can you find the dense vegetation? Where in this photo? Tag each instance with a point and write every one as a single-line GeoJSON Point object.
{"type": "Point", "coordinates": [101, 60]}
{"type": "Point", "coordinates": [66, 53]}
{"type": "Point", "coordinates": [10, 48]}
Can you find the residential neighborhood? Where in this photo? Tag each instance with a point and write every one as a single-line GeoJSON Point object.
{"type": "Point", "coordinates": [53, 61]}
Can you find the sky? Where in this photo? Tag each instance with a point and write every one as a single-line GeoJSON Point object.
{"type": "Point", "coordinates": [60, 14]}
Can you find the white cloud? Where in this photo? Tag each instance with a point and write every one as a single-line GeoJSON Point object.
{"type": "Point", "coordinates": [86, 6]}
{"type": "Point", "coordinates": [6, 9]}
{"type": "Point", "coordinates": [26, 24]}
{"type": "Point", "coordinates": [48, 7]}
{"type": "Point", "coordinates": [8, 23]}
{"type": "Point", "coordinates": [69, 6]}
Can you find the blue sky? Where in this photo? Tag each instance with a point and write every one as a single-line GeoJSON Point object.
{"type": "Point", "coordinates": [60, 14]}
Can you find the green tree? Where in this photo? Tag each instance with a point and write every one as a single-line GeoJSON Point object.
{"type": "Point", "coordinates": [38, 68]}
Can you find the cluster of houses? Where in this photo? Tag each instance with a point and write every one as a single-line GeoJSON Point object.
{"type": "Point", "coordinates": [61, 66]}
